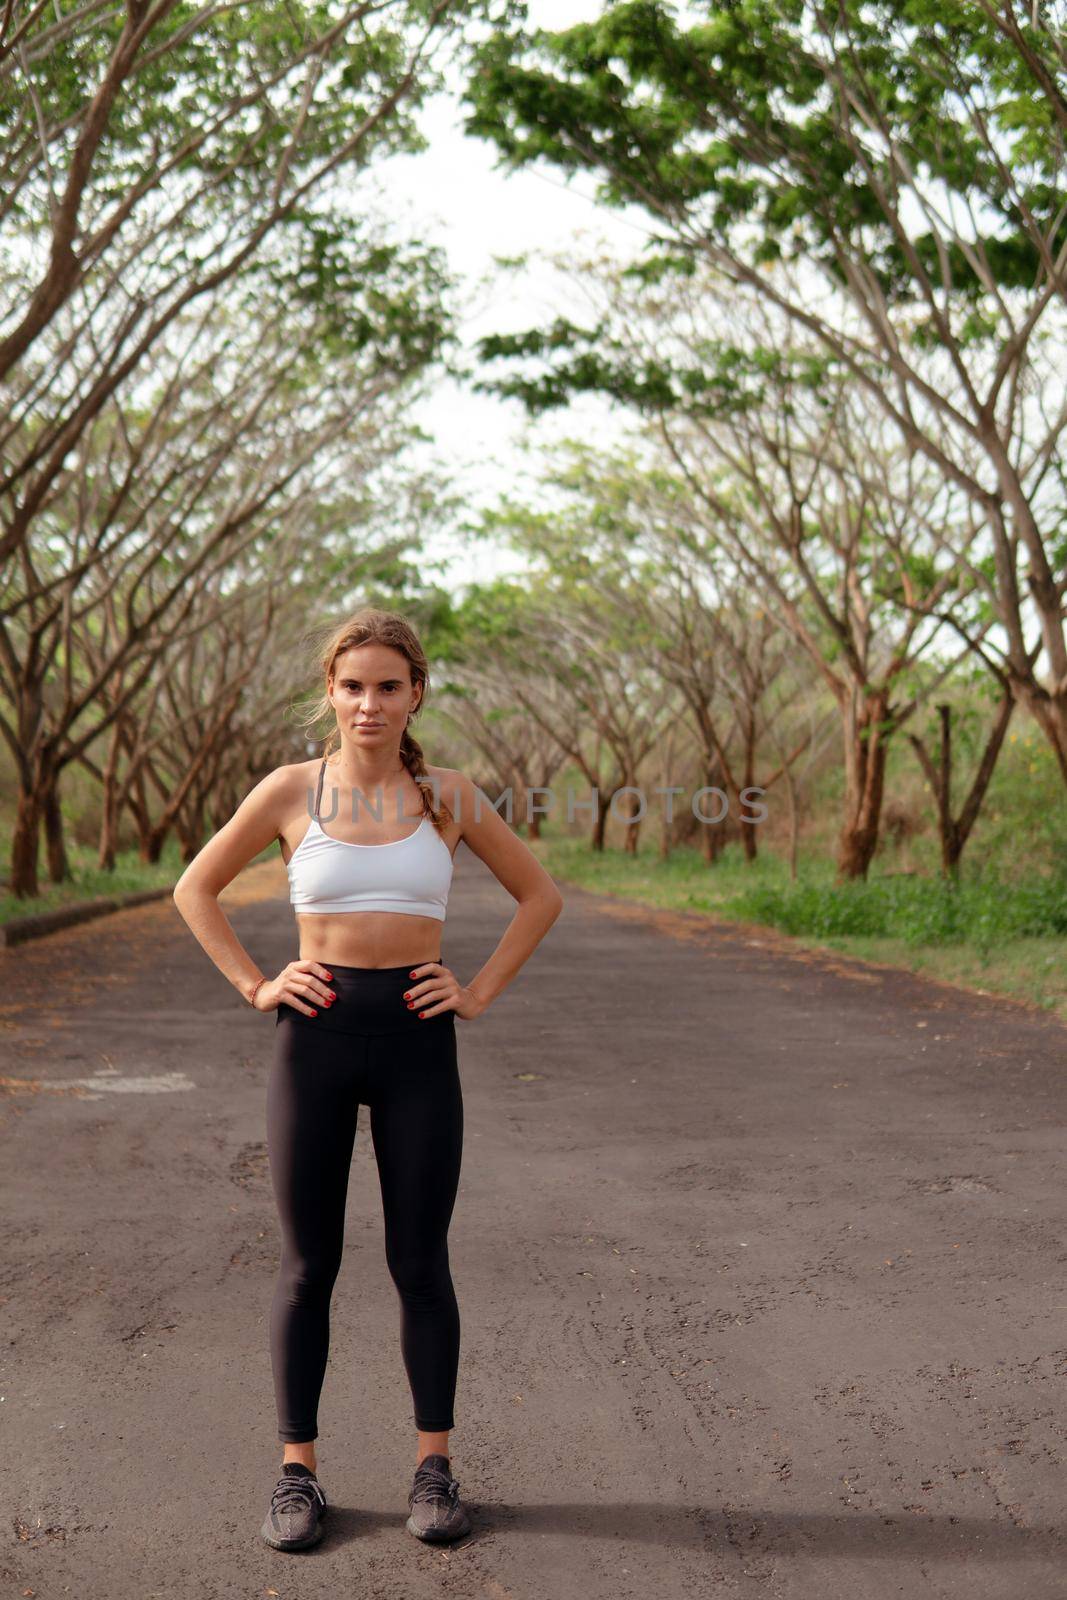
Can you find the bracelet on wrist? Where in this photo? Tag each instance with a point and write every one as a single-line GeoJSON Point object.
{"type": "Point", "coordinates": [255, 991]}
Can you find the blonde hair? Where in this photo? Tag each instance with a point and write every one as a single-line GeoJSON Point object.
{"type": "Point", "coordinates": [369, 625]}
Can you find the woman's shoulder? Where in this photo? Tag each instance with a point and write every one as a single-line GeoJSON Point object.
{"type": "Point", "coordinates": [295, 772]}
{"type": "Point", "coordinates": [290, 781]}
{"type": "Point", "coordinates": [453, 789]}
{"type": "Point", "coordinates": [451, 781]}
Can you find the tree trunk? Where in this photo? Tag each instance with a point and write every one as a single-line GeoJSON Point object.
{"type": "Point", "coordinates": [25, 843]}
{"type": "Point", "coordinates": [37, 782]}
{"type": "Point", "coordinates": [791, 792]}
{"type": "Point", "coordinates": [633, 829]}
{"type": "Point", "coordinates": [108, 845]}
{"type": "Point", "coordinates": [866, 749]}
{"type": "Point", "coordinates": [190, 832]}
{"type": "Point", "coordinates": [152, 843]}
{"type": "Point", "coordinates": [1050, 713]}
{"type": "Point", "coordinates": [666, 826]}
{"type": "Point", "coordinates": [600, 823]}
{"type": "Point", "coordinates": [955, 831]}
{"type": "Point", "coordinates": [712, 835]}
{"type": "Point", "coordinates": [58, 865]}
{"type": "Point", "coordinates": [521, 811]}
{"type": "Point", "coordinates": [749, 830]}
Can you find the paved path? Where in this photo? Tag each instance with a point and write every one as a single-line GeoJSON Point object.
{"type": "Point", "coordinates": [759, 1255]}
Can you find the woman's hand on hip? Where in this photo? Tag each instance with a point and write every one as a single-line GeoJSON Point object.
{"type": "Point", "coordinates": [303, 984]}
{"type": "Point", "coordinates": [435, 988]}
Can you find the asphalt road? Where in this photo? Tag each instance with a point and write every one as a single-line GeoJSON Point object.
{"type": "Point", "coordinates": [759, 1257]}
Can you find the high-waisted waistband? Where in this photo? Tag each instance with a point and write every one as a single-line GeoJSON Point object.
{"type": "Point", "coordinates": [369, 1000]}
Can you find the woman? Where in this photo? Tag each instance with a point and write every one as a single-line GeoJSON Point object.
{"type": "Point", "coordinates": [366, 1014]}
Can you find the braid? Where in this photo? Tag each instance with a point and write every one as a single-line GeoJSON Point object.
{"type": "Point", "coordinates": [412, 757]}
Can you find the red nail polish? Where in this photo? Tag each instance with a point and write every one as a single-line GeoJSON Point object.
{"type": "Point", "coordinates": [412, 974]}
{"type": "Point", "coordinates": [422, 1013]}
{"type": "Point", "coordinates": [314, 1013]}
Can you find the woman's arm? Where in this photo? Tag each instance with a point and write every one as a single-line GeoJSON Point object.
{"type": "Point", "coordinates": [253, 825]}
{"type": "Point", "coordinates": [514, 865]}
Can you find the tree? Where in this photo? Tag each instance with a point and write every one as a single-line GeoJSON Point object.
{"type": "Point", "coordinates": [166, 141]}
{"type": "Point", "coordinates": [628, 531]}
{"type": "Point", "coordinates": [237, 469]}
{"type": "Point", "coordinates": [799, 493]}
{"type": "Point", "coordinates": [891, 178]}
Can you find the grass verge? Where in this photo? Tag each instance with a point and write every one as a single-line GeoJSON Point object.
{"type": "Point", "coordinates": [90, 882]}
{"type": "Point", "coordinates": [986, 933]}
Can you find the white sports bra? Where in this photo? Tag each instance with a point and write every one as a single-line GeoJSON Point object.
{"type": "Point", "coordinates": [332, 875]}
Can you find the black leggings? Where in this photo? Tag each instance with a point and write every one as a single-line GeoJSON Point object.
{"type": "Point", "coordinates": [368, 1048]}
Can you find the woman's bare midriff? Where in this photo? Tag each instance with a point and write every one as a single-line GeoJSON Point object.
{"type": "Point", "coordinates": [369, 938]}
{"type": "Point", "coordinates": [365, 938]}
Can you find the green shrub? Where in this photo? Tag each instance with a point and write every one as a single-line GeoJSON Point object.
{"type": "Point", "coordinates": [920, 911]}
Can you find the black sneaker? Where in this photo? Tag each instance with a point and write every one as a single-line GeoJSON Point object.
{"type": "Point", "coordinates": [437, 1512]}
{"type": "Point", "coordinates": [297, 1507]}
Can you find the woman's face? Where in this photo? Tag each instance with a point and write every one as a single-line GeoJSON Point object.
{"type": "Point", "coordinates": [372, 692]}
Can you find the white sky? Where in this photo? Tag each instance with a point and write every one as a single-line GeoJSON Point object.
{"type": "Point", "coordinates": [454, 198]}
